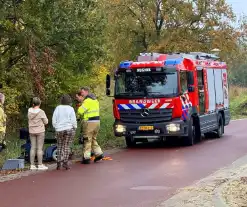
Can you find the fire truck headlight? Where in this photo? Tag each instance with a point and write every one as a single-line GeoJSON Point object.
{"type": "Point", "coordinates": [120, 128]}
{"type": "Point", "coordinates": [173, 127]}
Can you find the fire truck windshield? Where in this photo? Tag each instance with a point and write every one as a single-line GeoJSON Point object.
{"type": "Point", "coordinates": [146, 84]}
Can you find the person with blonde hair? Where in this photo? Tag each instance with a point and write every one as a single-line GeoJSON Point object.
{"type": "Point", "coordinates": [37, 120]}
{"type": "Point", "coordinates": [2, 122]}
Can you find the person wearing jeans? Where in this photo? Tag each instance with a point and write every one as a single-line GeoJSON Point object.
{"type": "Point", "coordinates": [37, 120]}
{"type": "Point", "coordinates": [65, 123]}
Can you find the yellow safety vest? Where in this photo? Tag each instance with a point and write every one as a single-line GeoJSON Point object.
{"type": "Point", "coordinates": [89, 110]}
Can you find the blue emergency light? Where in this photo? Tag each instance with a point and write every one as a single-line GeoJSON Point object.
{"type": "Point", "coordinates": [125, 64]}
{"type": "Point", "coordinates": [170, 62]}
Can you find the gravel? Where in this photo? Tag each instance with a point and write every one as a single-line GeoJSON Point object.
{"type": "Point", "coordinates": [235, 193]}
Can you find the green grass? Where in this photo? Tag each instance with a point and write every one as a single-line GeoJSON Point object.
{"type": "Point", "coordinates": [238, 102]}
{"type": "Point", "coordinates": [13, 150]}
{"type": "Point", "coordinates": [106, 137]}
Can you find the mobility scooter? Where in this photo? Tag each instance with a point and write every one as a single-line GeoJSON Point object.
{"type": "Point", "coordinates": [50, 152]}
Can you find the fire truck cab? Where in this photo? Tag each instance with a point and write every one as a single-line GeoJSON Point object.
{"type": "Point", "coordinates": [181, 95]}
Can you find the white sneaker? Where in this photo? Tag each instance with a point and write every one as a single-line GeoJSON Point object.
{"type": "Point", "coordinates": [33, 167]}
{"type": "Point", "coordinates": [42, 167]}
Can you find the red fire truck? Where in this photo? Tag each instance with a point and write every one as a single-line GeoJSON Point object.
{"type": "Point", "coordinates": [180, 95]}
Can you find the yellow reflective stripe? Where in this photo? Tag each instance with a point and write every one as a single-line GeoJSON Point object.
{"type": "Point", "coordinates": [87, 155]}
{"type": "Point", "coordinates": [81, 110]}
{"type": "Point", "coordinates": [84, 107]}
{"type": "Point", "coordinates": [89, 112]}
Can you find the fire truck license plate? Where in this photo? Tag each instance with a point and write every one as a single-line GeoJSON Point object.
{"type": "Point", "coordinates": [145, 128]}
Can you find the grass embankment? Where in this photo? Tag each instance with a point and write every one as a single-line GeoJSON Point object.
{"type": "Point", "coordinates": [238, 104]}
{"type": "Point", "coordinates": [105, 138]}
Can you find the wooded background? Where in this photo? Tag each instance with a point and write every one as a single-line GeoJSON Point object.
{"type": "Point", "coordinates": [50, 47]}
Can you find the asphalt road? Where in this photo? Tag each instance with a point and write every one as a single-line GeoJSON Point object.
{"type": "Point", "coordinates": [140, 177]}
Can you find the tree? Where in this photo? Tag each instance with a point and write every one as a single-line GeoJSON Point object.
{"type": "Point", "coordinates": [44, 44]}
{"type": "Point", "coordinates": [170, 25]}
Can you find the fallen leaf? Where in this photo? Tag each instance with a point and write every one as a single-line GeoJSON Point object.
{"type": "Point", "coordinates": [107, 158]}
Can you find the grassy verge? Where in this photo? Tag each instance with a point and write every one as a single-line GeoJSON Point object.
{"type": "Point", "coordinates": [13, 150]}
{"type": "Point", "coordinates": [238, 102]}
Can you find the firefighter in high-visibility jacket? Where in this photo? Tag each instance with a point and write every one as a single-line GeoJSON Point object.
{"type": "Point", "coordinates": [89, 114]}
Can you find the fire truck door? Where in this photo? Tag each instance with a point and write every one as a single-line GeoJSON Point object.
{"type": "Point", "coordinates": [201, 94]}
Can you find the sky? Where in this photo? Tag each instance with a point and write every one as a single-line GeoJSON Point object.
{"type": "Point", "coordinates": [239, 6]}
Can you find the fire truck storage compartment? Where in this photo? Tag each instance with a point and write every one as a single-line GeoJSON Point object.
{"type": "Point", "coordinates": [225, 88]}
{"type": "Point", "coordinates": [218, 87]}
{"type": "Point", "coordinates": [211, 90]}
{"type": "Point", "coordinates": [215, 89]}
{"type": "Point", "coordinates": [208, 122]}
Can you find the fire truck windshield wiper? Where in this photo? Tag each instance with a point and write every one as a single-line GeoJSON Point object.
{"type": "Point", "coordinates": [130, 94]}
{"type": "Point", "coordinates": [154, 94]}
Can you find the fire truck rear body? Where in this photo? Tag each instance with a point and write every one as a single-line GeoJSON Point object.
{"type": "Point", "coordinates": [149, 102]}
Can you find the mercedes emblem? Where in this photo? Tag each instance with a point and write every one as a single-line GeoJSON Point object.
{"type": "Point", "coordinates": [145, 113]}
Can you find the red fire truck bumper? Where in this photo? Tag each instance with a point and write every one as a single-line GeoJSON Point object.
{"type": "Point", "coordinates": [174, 128]}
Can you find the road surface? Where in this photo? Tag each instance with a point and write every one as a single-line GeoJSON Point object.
{"type": "Point", "coordinates": [140, 177]}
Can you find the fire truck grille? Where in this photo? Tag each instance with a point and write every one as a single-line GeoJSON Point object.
{"type": "Point", "coordinates": [154, 116]}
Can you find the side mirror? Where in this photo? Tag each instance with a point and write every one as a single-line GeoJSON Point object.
{"type": "Point", "coordinates": [108, 84]}
{"type": "Point", "coordinates": [108, 92]}
{"type": "Point", "coordinates": [108, 81]}
{"type": "Point", "coordinates": [190, 78]}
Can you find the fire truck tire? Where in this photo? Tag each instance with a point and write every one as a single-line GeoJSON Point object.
{"type": "Point", "coordinates": [129, 142]}
{"type": "Point", "coordinates": [198, 133]}
{"type": "Point", "coordinates": [220, 130]}
{"type": "Point", "coordinates": [190, 139]}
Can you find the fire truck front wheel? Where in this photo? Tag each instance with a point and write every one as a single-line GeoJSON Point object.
{"type": "Point", "coordinates": [130, 143]}
{"type": "Point", "coordinates": [190, 139]}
